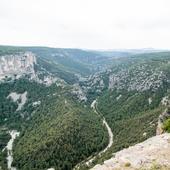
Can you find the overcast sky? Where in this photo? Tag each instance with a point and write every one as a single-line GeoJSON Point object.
{"type": "Point", "coordinates": [94, 24]}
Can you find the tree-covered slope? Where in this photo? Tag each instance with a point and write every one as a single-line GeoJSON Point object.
{"type": "Point", "coordinates": [131, 96]}
{"type": "Point", "coordinates": [9, 50]}
{"type": "Point", "coordinates": [131, 116]}
{"type": "Point", "coordinates": [10, 117]}
{"type": "Point", "coordinates": [71, 60]}
{"type": "Point", "coordinates": [57, 132]}
{"type": "Point", "coordinates": [61, 134]}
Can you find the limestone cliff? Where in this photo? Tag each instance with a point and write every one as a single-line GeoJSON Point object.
{"type": "Point", "coordinates": [162, 118]}
{"type": "Point", "coordinates": [17, 64]}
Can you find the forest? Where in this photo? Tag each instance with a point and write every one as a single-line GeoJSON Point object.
{"type": "Point", "coordinates": [59, 133]}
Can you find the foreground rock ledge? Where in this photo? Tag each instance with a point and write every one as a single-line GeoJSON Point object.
{"type": "Point", "coordinates": [153, 152]}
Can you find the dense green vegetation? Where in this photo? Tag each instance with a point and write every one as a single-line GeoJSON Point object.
{"type": "Point", "coordinates": [12, 119]}
{"type": "Point", "coordinates": [4, 138]}
{"type": "Point", "coordinates": [57, 70]}
{"type": "Point", "coordinates": [167, 125]}
{"type": "Point", "coordinates": [9, 50]}
{"type": "Point", "coordinates": [131, 118]}
{"type": "Point", "coordinates": [65, 59]}
{"type": "Point", "coordinates": [61, 134]}
{"type": "Point", "coordinates": [132, 114]}
{"type": "Point", "coordinates": [9, 116]}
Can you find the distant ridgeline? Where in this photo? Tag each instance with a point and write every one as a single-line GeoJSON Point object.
{"type": "Point", "coordinates": [69, 65]}
{"type": "Point", "coordinates": [46, 95]}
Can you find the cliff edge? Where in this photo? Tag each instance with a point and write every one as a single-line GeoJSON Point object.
{"type": "Point", "coordinates": [154, 153]}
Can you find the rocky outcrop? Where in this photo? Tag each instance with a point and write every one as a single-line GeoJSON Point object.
{"type": "Point", "coordinates": [17, 64]}
{"type": "Point", "coordinates": [23, 64]}
{"type": "Point", "coordinates": [164, 116]}
{"type": "Point", "coordinates": [19, 98]}
{"type": "Point", "coordinates": [145, 155]}
{"type": "Point", "coordinates": [79, 93]}
{"type": "Point", "coordinates": [140, 77]}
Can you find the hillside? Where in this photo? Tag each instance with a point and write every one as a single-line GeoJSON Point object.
{"type": "Point", "coordinates": [61, 134]}
{"type": "Point", "coordinates": [47, 105]}
{"type": "Point", "coordinates": [57, 121]}
{"type": "Point", "coordinates": [131, 96]}
{"type": "Point", "coordinates": [44, 83]}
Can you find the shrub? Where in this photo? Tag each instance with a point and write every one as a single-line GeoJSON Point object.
{"type": "Point", "coordinates": [127, 164]}
{"type": "Point", "coordinates": [166, 125]}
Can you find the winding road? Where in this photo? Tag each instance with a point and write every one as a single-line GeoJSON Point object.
{"type": "Point", "coordinates": [93, 106]}
{"type": "Point", "coordinates": [91, 159]}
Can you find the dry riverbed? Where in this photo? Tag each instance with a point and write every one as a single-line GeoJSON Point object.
{"type": "Point", "coordinates": [9, 147]}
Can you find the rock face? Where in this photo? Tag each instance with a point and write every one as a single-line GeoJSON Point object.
{"type": "Point", "coordinates": [17, 65]}
{"type": "Point", "coordinates": [164, 116]}
{"type": "Point", "coordinates": [141, 77]}
{"type": "Point", "coordinates": [79, 92]}
{"type": "Point", "coordinates": [19, 98]}
{"type": "Point", "coordinates": [154, 151]}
